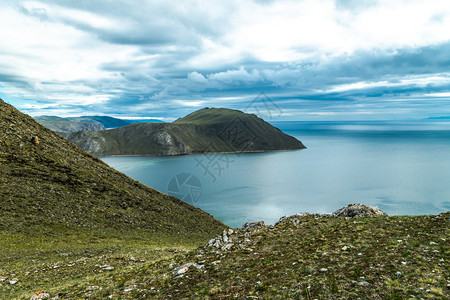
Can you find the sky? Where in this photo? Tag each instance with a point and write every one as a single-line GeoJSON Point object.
{"type": "Point", "coordinates": [286, 60]}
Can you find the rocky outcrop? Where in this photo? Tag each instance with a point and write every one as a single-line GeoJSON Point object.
{"type": "Point", "coordinates": [246, 236]}
{"type": "Point", "coordinates": [359, 210]}
{"type": "Point", "coordinates": [252, 225]}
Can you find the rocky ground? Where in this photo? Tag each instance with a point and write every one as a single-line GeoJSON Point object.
{"type": "Point", "coordinates": [305, 256]}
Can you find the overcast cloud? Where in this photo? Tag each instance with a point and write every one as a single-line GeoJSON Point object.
{"type": "Point", "coordinates": [317, 59]}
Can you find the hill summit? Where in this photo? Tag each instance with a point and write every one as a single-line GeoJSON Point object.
{"type": "Point", "coordinates": [203, 131]}
{"type": "Point", "coordinates": [47, 182]}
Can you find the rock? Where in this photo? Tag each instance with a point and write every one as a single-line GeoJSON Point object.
{"type": "Point", "coordinates": [2, 279]}
{"type": "Point", "coordinates": [35, 140]}
{"type": "Point", "coordinates": [107, 268]}
{"type": "Point", "coordinates": [323, 270]}
{"type": "Point", "coordinates": [280, 220]}
{"type": "Point", "coordinates": [293, 220]}
{"type": "Point", "coordinates": [14, 281]}
{"type": "Point", "coordinates": [222, 240]}
{"type": "Point", "coordinates": [184, 268]}
{"type": "Point", "coordinates": [359, 210]}
{"type": "Point", "coordinates": [227, 246]}
{"type": "Point", "coordinates": [363, 283]}
{"type": "Point", "coordinates": [252, 225]}
{"type": "Point", "coordinates": [40, 295]}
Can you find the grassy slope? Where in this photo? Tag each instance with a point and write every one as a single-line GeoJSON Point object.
{"type": "Point", "coordinates": [206, 130]}
{"type": "Point", "coordinates": [400, 257]}
{"type": "Point", "coordinates": [57, 183]}
{"type": "Point", "coordinates": [211, 116]}
{"type": "Point", "coordinates": [55, 196]}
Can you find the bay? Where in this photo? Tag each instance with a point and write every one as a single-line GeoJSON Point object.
{"type": "Point", "coordinates": [401, 167]}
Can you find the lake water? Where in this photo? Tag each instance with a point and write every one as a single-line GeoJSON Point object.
{"type": "Point", "coordinates": [402, 167]}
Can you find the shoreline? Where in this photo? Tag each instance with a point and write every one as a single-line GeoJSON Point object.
{"type": "Point", "coordinates": [195, 153]}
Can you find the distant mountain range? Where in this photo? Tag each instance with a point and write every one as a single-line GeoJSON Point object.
{"type": "Point", "coordinates": [203, 131]}
{"type": "Point", "coordinates": [91, 123]}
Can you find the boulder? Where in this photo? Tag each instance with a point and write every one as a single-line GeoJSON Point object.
{"type": "Point", "coordinates": [252, 225]}
{"type": "Point", "coordinates": [358, 211]}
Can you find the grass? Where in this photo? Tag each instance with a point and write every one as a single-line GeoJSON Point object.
{"type": "Point", "coordinates": [311, 257]}
{"type": "Point", "coordinates": [59, 261]}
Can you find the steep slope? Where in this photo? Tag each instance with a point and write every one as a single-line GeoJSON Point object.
{"type": "Point", "coordinates": [206, 130]}
{"type": "Point", "coordinates": [47, 182]}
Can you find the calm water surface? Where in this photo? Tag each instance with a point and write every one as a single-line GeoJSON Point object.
{"type": "Point", "coordinates": [404, 168]}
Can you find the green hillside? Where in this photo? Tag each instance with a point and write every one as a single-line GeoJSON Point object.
{"type": "Point", "coordinates": [213, 116]}
{"type": "Point", "coordinates": [206, 130]}
{"type": "Point", "coordinates": [51, 182]}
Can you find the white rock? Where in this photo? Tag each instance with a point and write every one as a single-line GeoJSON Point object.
{"type": "Point", "coordinates": [40, 295]}
{"type": "Point", "coordinates": [14, 281]}
{"type": "Point", "coordinates": [182, 270]}
{"type": "Point", "coordinates": [323, 270]}
{"type": "Point", "coordinates": [227, 246]}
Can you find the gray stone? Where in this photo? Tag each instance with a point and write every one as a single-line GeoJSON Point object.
{"type": "Point", "coordinates": [359, 210]}
{"type": "Point", "coordinates": [185, 268]}
{"type": "Point", "coordinates": [252, 225]}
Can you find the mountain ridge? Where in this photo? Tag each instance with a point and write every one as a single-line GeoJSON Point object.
{"type": "Point", "coordinates": [206, 130]}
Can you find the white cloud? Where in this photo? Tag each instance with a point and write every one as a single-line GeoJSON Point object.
{"type": "Point", "coordinates": [110, 54]}
{"type": "Point", "coordinates": [239, 75]}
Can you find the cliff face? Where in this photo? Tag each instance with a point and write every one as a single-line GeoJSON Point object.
{"type": "Point", "coordinates": [47, 182]}
{"type": "Point", "coordinates": [207, 130]}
